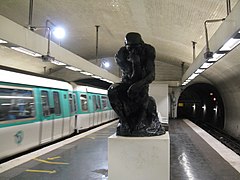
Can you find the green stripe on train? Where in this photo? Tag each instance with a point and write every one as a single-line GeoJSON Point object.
{"type": "Point", "coordinates": [20, 122]}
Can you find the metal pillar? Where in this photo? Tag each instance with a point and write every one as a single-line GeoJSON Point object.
{"type": "Point", "coordinates": [194, 50]}
{"type": "Point", "coordinates": [97, 62]}
{"type": "Point", "coordinates": [228, 6]}
{"type": "Point", "coordinates": [30, 14]}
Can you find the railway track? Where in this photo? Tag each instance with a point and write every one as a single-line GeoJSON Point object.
{"type": "Point", "coordinates": [224, 138]}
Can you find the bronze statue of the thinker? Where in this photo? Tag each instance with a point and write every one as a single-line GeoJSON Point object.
{"type": "Point", "coordinates": [129, 98]}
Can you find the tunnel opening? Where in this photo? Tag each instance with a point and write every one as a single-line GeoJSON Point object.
{"type": "Point", "coordinates": [202, 104]}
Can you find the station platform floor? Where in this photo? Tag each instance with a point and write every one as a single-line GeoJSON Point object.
{"type": "Point", "coordinates": [194, 155]}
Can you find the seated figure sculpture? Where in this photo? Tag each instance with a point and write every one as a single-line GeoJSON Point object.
{"type": "Point", "coordinates": [130, 100]}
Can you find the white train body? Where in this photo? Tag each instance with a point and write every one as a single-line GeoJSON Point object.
{"type": "Point", "coordinates": [36, 110]}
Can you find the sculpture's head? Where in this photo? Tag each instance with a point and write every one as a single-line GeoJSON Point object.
{"type": "Point", "coordinates": [133, 41]}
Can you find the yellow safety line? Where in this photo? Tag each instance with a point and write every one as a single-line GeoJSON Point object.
{"type": "Point", "coordinates": [40, 171]}
{"type": "Point", "coordinates": [49, 162]}
{"type": "Point", "coordinates": [53, 158]}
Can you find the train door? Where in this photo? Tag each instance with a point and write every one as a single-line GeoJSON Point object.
{"type": "Point", "coordinates": [93, 109]}
{"type": "Point", "coordinates": [70, 107]}
{"type": "Point", "coordinates": [67, 107]}
{"type": "Point", "coordinates": [46, 117]}
{"type": "Point", "coordinates": [57, 114]}
{"type": "Point", "coordinates": [73, 111]}
{"type": "Point", "coordinates": [55, 118]}
{"type": "Point", "coordinates": [84, 115]}
{"type": "Point", "coordinates": [105, 112]}
{"type": "Point", "coordinates": [98, 110]}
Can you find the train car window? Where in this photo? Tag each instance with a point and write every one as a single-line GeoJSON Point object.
{"type": "Point", "coordinates": [104, 102]}
{"type": "Point", "coordinates": [45, 103]}
{"type": "Point", "coordinates": [98, 103]}
{"type": "Point", "coordinates": [16, 104]}
{"type": "Point", "coordinates": [71, 103]}
{"type": "Point", "coordinates": [94, 103]}
{"type": "Point", "coordinates": [84, 102]}
{"type": "Point", "coordinates": [74, 102]}
{"type": "Point", "coordinates": [57, 107]}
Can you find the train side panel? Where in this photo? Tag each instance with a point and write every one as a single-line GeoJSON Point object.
{"type": "Point", "coordinates": [35, 111]}
{"type": "Point", "coordinates": [15, 139]}
{"type": "Point", "coordinates": [19, 125]}
{"type": "Point", "coordinates": [55, 108]}
{"type": "Point", "coordinates": [93, 108]}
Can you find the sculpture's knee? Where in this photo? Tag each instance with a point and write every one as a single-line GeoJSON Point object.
{"type": "Point", "coordinates": [113, 92]}
{"type": "Point", "coordinates": [152, 104]}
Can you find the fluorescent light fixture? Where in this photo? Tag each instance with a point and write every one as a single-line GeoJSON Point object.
{"type": "Point", "coordinates": [185, 83]}
{"type": "Point", "coordinates": [199, 71]}
{"type": "Point", "coordinates": [73, 68]}
{"type": "Point", "coordinates": [26, 51]}
{"type": "Point", "coordinates": [107, 80]}
{"type": "Point", "coordinates": [230, 44]}
{"type": "Point", "coordinates": [206, 65]}
{"type": "Point", "coordinates": [86, 73]}
{"type": "Point", "coordinates": [215, 109]}
{"type": "Point", "coordinates": [59, 32]}
{"type": "Point", "coordinates": [216, 57]}
{"type": "Point", "coordinates": [97, 77]}
{"type": "Point", "coordinates": [193, 76]}
{"type": "Point", "coordinates": [3, 42]}
{"type": "Point", "coordinates": [194, 106]}
{"type": "Point", "coordinates": [59, 63]}
{"type": "Point", "coordinates": [204, 107]}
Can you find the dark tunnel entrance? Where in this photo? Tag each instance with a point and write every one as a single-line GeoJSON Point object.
{"type": "Point", "coordinates": [202, 103]}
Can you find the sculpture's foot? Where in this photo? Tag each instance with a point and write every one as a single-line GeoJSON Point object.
{"type": "Point", "coordinates": [155, 128]}
{"type": "Point", "coordinates": [142, 130]}
{"type": "Point", "coordinates": [150, 131]}
{"type": "Point", "coordinates": [123, 130]}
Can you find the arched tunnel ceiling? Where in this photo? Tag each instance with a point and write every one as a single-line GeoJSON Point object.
{"type": "Point", "coordinates": [169, 26]}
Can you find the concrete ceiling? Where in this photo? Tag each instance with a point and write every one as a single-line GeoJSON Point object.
{"type": "Point", "coordinates": [168, 25]}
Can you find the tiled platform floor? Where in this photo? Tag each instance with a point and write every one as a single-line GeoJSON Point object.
{"type": "Point", "coordinates": [192, 158]}
{"type": "Point", "coordinates": [86, 159]}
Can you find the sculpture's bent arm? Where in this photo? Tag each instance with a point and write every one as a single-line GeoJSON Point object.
{"type": "Point", "coordinates": [150, 70]}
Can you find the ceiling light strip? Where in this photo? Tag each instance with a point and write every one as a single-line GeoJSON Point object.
{"type": "Point", "coordinates": [221, 52]}
{"type": "Point", "coordinates": [97, 77]}
{"type": "Point", "coordinates": [206, 65]}
{"type": "Point", "coordinates": [59, 63]}
{"type": "Point", "coordinates": [86, 73]}
{"type": "Point", "coordinates": [3, 41]}
{"type": "Point", "coordinates": [26, 51]}
{"type": "Point", "coordinates": [230, 44]}
{"type": "Point", "coordinates": [73, 68]}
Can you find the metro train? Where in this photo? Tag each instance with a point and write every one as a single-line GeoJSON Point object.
{"type": "Point", "coordinates": [35, 111]}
